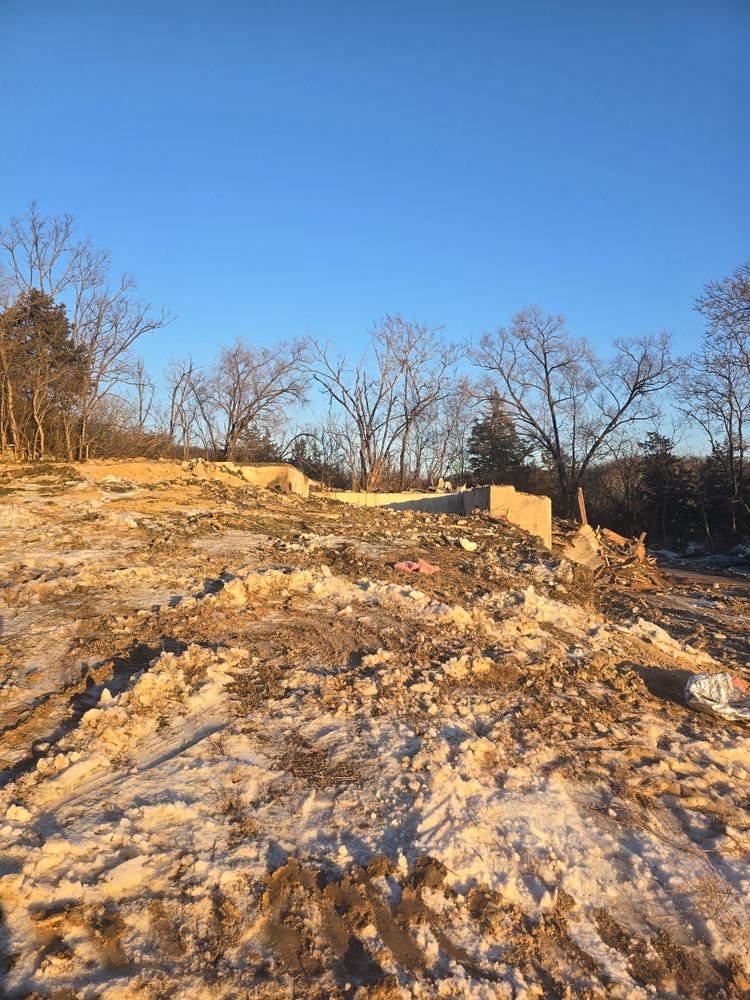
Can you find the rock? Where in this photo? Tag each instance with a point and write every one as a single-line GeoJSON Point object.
{"type": "Point", "coordinates": [18, 814]}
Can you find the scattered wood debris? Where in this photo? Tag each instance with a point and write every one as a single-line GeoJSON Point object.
{"type": "Point", "coordinates": [612, 558]}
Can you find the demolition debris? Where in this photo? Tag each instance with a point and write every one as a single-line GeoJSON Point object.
{"type": "Point", "coordinates": [612, 558]}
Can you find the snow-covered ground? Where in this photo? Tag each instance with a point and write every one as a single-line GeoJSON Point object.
{"type": "Point", "coordinates": [245, 756]}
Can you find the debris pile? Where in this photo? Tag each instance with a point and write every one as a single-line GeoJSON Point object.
{"type": "Point", "coordinates": [613, 559]}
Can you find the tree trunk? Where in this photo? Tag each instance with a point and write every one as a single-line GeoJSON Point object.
{"type": "Point", "coordinates": [402, 459]}
{"type": "Point", "coordinates": [39, 424]}
{"type": "Point", "coordinates": [14, 430]}
{"type": "Point", "coordinates": [3, 423]}
{"type": "Point", "coordinates": [706, 528]}
{"type": "Point", "coordinates": [68, 440]}
{"type": "Point", "coordinates": [230, 445]}
{"type": "Point", "coordinates": [664, 516]}
{"type": "Point", "coordinates": [82, 446]}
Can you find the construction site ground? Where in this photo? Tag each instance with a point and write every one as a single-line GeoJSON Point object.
{"type": "Point", "coordinates": [244, 755]}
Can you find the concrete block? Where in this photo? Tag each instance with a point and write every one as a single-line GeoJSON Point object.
{"type": "Point", "coordinates": [531, 512]}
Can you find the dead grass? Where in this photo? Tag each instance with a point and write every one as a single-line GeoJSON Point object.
{"type": "Point", "coordinates": [232, 806]}
{"type": "Point", "coordinates": [312, 765]}
{"type": "Point", "coordinates": [711, 895]}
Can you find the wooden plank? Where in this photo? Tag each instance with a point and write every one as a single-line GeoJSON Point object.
{"type": "Point", "coordinates": [583, 548]}
{"type": "Point", "coordinates": [612, 536]}
{"type": "Point", "coordinates": [582, 506]}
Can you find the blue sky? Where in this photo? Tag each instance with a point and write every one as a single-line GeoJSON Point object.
{"type": "Point", "coordinates": [271, 168]}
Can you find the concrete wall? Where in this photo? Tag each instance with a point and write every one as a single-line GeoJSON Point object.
{"type": "Point", "coordinates": [443, 503]}
{"type": "Point", "coordinates": [530, 512]}
{"type": "Point", "coordinates": [527, 510]}
{"type": "Point", "coordinates": [280, 474]}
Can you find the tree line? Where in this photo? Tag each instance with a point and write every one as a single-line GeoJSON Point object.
{"type": "Point", "coordinates": [528, 404]}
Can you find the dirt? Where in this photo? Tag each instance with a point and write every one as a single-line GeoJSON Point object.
{"type": "Point", "coordinates": [707, 612]}
{"type": "Point", "coordinates": [316, 926]}
{"type": "Point", "coordinates": [101, 577]}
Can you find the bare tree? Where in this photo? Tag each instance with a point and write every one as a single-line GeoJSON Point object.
{"type": "Point", "coordinates": [565, 400]}
{"type": "Point", "coordinates": [253, 385]}
{"type": "Point", "coordinates": [726, 304]}
{"type": "Point", "coordinates": [714, 386]}
{"type": "Point", "coordinates": [439, 444]}
{"type": "Point", "coordinates": [110, 324]}
{"type": "Point", "coordinates": [619, 478]}
{"type": "Point", "coordinates": [714, 393]}
{"type": "Point", "coordinates": [183, 387]}
{"type": "Point", "coordinates": [345, 435]}
{"type": "Point", "coordinates": [200, 404]}
{"type": "Point", "coordinates": [44, 253]}
{"type": "Point", "coordinates": [406, 370]}
{"type": "Point", "coordinates": [428, 375]}
{"type": "Point", "coordinates": [116, 429]}
{"type": "Point", "coordinates": [317, 450]}
{"type": "Point", "coordinates": [368, 400]}
{"type": "Point", "coordinates": [145, 390]}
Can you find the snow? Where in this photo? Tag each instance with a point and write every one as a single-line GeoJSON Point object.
{"type": "Point", "coordinates": [649, 632]}
{"type": "Point", "coordinates": [173, 788]}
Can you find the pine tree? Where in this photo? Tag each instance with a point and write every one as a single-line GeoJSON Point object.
{"type": "Point", "coordinates": [38, 346]}
{"type": "Point", "coordinates": [669, 494]}
{"type": "Point", "coordinates": [496, 452]}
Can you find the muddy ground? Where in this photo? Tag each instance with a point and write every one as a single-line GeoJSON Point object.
{"type": "Point", "coordinates": [244, 755]}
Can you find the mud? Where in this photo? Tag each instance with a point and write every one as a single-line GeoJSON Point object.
{"type": "Point", "coordinates": [372, 713]}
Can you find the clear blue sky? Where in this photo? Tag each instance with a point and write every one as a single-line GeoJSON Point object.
{"type": "Point", "coordinates": [267, 168]}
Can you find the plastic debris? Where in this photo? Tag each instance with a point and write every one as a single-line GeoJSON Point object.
{"type": "Point", "coordinates": [420, 566]}
{"type": "Point", "coordinates": [720, 694]}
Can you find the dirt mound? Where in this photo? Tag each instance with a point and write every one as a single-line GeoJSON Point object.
{"type": "Point", "coordinates": [134, 471]}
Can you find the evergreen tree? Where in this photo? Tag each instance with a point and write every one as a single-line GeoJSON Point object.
{"type": "Point", "coordinates": [257, 445]}
{"type": "Point", "coordinates": [496, 452]}
{"type": "Point", "coordinates": [41, 358]}
{"type": "Point", "coordinates": [670, 504]}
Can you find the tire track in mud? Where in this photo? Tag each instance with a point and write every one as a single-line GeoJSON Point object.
{"type": "Point", "coordinates": [36, 726]}
{"type": "Point", "coordinates": [328, 933]}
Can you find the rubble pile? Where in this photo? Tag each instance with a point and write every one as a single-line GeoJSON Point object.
{"type": "Point", "coordinates": [613, 559]}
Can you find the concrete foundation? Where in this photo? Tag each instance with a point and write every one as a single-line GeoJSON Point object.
{"type": "Point", "coordinates": [528, 511]}
{"type": "Point", "coordinates": [283, 475]}
{"type": "Point", "coordinates": [286, 477]}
